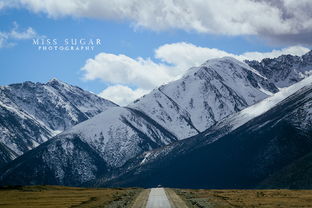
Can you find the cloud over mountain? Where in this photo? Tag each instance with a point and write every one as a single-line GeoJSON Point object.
{"type": "Point", "coordinates": [286, 21]}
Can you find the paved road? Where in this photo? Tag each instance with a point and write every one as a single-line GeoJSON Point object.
{"type": "Point", "coordinates": [158, 199]}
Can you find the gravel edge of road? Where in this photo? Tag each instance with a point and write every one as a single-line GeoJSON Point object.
{"type": "Point", "coordinates": [175, 200]}
{"type": "Point", "coordinates": [141, 199]}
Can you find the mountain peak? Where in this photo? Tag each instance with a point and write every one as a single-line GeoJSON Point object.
{"type": "Point", "coordinates": [223, 59]}
{"type": "Point", "coordinates": [26, 83]}
{"type": "Point", "coordinates": [220, 63]}
{"type": "Point", "coordinates": [284, 70]}
{"type": "Point", "coordinates": [231, 65]}
{"type": "Point", "coordinates": [175, 111]}
{"type": "Point", "coordinates": [32, 113]}
{"type": "Point", "coordinates": [55, 81]}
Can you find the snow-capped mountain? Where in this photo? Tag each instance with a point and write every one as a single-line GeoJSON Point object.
{"type": "Point", "coordinates": [31, 113]}
{"type": "Point", "coordinates": [172, 112]}
{"type": "Point", "coordinates": [205, 95]}
{"type": "Point", "coordinates": [89, 149]}
{"type": "Point", "coordinates": [284, 70]}
{"type": "Point", "coordinates": [121, 133]}
{"type": "Point", "coordinates": [240, 151]}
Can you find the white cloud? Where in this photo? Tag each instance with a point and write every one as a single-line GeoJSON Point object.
{"type": "Point", "coordinates": [8, 38]}
{"type": "Point", "coordinates": [286, 20]}
{"type": "Point", "coordinates": [122, 95]}
{"type": "Point", "coordinates": [172, 62]}
{"type": "Point", "coordinates": [121, 69]}
{"type": "Point", "coordinates": [185, 55]}
{"type": "Point", "coordinates": [2, 5]}
{"type": "Point", "coordinates": [27, 34]}
{"type": "Point", "coordinates": [7, 4]}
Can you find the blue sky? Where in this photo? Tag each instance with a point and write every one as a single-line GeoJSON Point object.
{"type": "Point", "coordinates": [127, 36]}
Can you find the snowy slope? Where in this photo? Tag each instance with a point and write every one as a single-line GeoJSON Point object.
{"type": "Point", "coordinates": [89, 149]}
{"type": "Point", "coordinates": [166, 115]}
{"type": "Point", "coordinates": [170, 113]}
{"type": "Point", "coordinates": [284, 70]}
{"type": "Point", "coordinates": [236, 120]}
{"type": "Point", "coordinates": [121, 133]}
{"type": "Point", "coordinates": [205, 95]}
{"type": "Point", "coordinates": [244, 148]}
{"type": "Point", "coordinates": [31, 113]}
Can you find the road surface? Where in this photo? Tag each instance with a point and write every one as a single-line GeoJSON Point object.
{"type": "Point", "coordinates": [158, 199]}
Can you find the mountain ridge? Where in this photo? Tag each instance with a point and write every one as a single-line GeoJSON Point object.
{"type": "Point", "coordinates": [212, 101]}
{"type": "Point", "coordinates": [31, 113]}
{"type": "Point", "coordinates": [258, 148]}
{"type": "Point", "coordinates": [284, 70]}
{"type": "Point", "coordinates": [166, 115]}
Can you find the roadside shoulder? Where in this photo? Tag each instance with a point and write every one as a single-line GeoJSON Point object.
{"type": "Point", "coordinates": [174, 199]}
{"type": "Point", "coordinates": [141, 200]}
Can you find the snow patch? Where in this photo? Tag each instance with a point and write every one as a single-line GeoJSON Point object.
{"type": "Point", "coordinates": [145, 158]}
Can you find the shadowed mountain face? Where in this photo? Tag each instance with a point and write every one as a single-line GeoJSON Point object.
{"type": "Point", "coordinates": [31, 113]}
{"type": "Point", "coordinates": [32, 170]}
{"type": "Point", "coordinates": [172, 112]}
{"type": "Point", "coordinates": [241, 158]}
{"type": "Point", "coordinates": [296, 175]}
{"type": "Point", "coordinates": [6, 155]}
{"type": "Point", "coordinates": [237, 135]}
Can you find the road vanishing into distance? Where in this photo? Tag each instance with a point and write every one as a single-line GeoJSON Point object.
{"type": "Point", "coordinates": [158, 198]}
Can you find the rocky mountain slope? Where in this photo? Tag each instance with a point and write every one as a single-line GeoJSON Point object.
{"type": "Point", "coordinates": [284, 70]}
{"type": "Point", "coordinates": [240, 151]}
{"type": "Point", "coordinates": [205, 95]}
{"type": "Point", "coordinates": [31, 113]}
{"type": "Point", "coordinates": [172, 112]}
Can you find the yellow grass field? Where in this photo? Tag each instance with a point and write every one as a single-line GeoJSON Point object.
{"type": "Point", "coordinates": [246, 198]}
{"type": "Point", "coordinates": [61, 197]}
